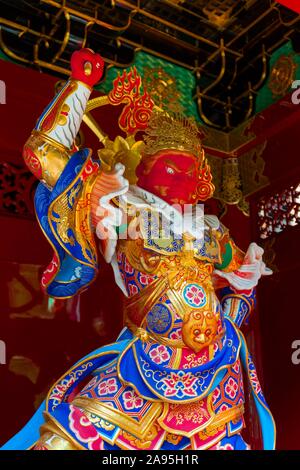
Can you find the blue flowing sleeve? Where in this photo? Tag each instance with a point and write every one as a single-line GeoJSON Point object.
{"type": "Point", "coordinates": [64, 215]}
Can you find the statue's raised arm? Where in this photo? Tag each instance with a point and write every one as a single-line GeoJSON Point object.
{"type": "Point", "coordinates": [67, 175]}
{"type": "Point", "coordinates": [52, 142]}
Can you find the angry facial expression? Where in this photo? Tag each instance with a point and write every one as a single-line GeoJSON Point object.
{"type": "Point", "coordinates": [172, 175]}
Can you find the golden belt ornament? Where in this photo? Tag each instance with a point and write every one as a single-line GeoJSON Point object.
{"type": "Point", "coordinates": [187, 283]}
{"type": "Point", "coordinates": [54, 437]}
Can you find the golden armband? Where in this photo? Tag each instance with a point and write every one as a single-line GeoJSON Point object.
{"type": "Point", "coordinates": [45, 157]}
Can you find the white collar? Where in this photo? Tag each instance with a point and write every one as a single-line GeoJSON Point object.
{"type": "Point", "coordinates": [192, 220]}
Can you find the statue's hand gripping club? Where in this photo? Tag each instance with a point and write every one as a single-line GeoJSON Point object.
{"type": "Point", "coordinates": [87, 67]}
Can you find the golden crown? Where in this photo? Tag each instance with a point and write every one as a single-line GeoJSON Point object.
{"type": "Point", "coordinates": [171, 131]}
{"type": "Point", "coordinates": [162, 130]}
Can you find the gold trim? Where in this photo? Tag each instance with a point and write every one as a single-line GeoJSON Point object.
{"type": "Point", "coordinates": [234, 431]}
{"type": "Point", "coordinates": [237, 297]}
{"type": "Point", "coordinates": [209, 444]}
{"type": "Point", "coordinates": [173, 343]}
{"type": "Point", "coordinates": [145, 335]}
{"type": "Point", "coordinates": [125, 382]}
{"type": "Point", "coordinates": [54, 441]}
{"type": "Point", "coordinates": [177, 360]}
{"type": "Point", "coordinates": [66, 35]}
{"type": "Point", "coordinates": [204, 394]}
{"type": "Point", "coordinates": [189, 400]}
{"type": "Point", "coordinates": [8, 52]}
{"type": "Point", "coordinates": [73, 85]}
{"type": "Point", "coordinates": [78, 364]}
{"type": "Point", "coordinates": [59, 265]}
{"type": "Point", "coordinates": [144, 300]}
{"type": "Point", "coordinates": [82, 221]}
{"type": "Point", "coordinates": [105, 366]}
{"type": "Point", "coordinates": [97, 103]}
{"type": "Point", "coordinates": [54, 424]}
{"type": "Point", "coordinates": [182, 432]}
{"type": "Point", "coordinates": [220, 420]}
{"type": "Point", "coordinates": [141, 444]}
{"type": "Point", "coordinates": [51, 219]}
{"type": "Point", "coordinates": [51, 141]}
{"type": "Point", "coordinates": [83, 16]}
{"type": "Point", "coordinates": [119, 418]}
{"type": "Point", "coordinates": [85, 85]}
{"type": "Point", "coordinates": [177, 301]}
{"type": "Point", "coordinates": [234, 413]}
{"type": "Point", "coordinates": [142, 11]}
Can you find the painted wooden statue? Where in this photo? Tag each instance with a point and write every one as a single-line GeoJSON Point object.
{"type": "Point", "coordinates": [173, 379]}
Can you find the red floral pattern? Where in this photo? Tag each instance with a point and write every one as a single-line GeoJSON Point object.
{"type": "Point", "coordinates": [132, 400]}
{"type": "Point", "coordinates": [107, 387]}
{"type": "Point", "coordinates": [194, 295]}
{"type": "Point", "coordinates": [231, 388]}
{"type": "Point", "coordinates": [84, 430]}
{"type": "Point", "coordinates": [180, 384]}
{"type": "Point", "coordinates": [159, 354]}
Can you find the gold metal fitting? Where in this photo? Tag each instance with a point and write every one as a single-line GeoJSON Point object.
{"type": "Point", "coordinates": [142, 334]}
{"type": "Point", "coordinates": [88, 68]}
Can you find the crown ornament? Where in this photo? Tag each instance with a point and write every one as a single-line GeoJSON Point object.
{"type": "Point", "coordinates": [171, 131]}
{"type": "Point", "coordinates": [161, 131]}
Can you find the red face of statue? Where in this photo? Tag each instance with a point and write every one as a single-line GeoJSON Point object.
{"type": "Point", "coordinates": [171, 175]}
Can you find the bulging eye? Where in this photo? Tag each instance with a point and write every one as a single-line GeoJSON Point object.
{"type": "Point", "coordinates": [170, 170]}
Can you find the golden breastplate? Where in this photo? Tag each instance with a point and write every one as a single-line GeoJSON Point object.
{"type": "Point", "coordinates": [182, 287]}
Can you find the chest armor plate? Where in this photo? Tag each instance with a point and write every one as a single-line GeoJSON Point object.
{"type": "Point", "coordinates": [173, 299]}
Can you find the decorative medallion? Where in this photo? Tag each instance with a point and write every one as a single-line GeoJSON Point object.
{"type": "Point", "coordinates": [282, 75]}
{"type": "Point", "coordinates": [162, 88]}
{"type": "Point", "coordinates": [159, 319]}
{"type": "Point", "coordinates": [194, 295]}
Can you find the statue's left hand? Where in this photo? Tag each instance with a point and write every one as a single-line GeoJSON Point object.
{"type": "Point", "coordinates": [248, 274]}
{"type": "Point", "coordinates": [87, 66]}
{"type": "Point", "coordinates": [254, 257]}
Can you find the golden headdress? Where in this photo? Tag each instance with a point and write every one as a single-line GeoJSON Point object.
{"type": "Point", "coordinates": [162, 130]}
{"type": "Point", "coordinates": [171, 131]}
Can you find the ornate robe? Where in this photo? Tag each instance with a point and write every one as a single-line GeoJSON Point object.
{"type": "Point", "coordinates": [173, 379]}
